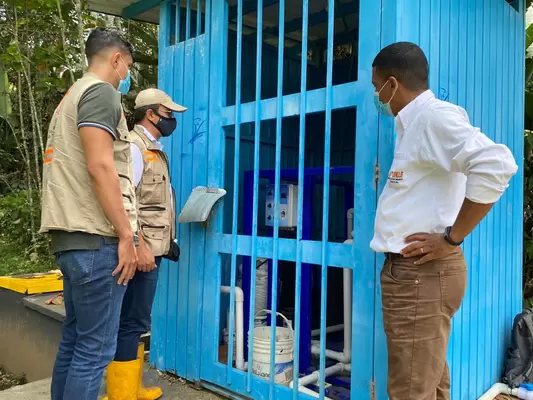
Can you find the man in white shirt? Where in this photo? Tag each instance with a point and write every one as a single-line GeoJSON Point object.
{"type": "Point", "coordinates": [155, 202]}
{"type": "Point", "coordinates": [445, 177]}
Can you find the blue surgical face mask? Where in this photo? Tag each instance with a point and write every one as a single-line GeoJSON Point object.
{"type": "Point", "coordinates": [124, 84]}
{"type": "Point", "coordinates": [384, 108]}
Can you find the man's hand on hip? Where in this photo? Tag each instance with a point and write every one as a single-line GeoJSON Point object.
{"type": "Point", "coordinates": [428, 246]}
{"type": "Point", "coordinates": [127, 260]}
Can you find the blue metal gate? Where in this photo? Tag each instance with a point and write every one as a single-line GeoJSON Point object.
{"type": "Point", "coordinates": [233, 115]}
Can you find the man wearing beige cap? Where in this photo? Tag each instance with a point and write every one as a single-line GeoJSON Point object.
{"type": "Point", "coordinates": [155, 200]}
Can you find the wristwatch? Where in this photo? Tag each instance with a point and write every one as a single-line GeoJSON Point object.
{"type": "Point", "coordinates": [448, 238]}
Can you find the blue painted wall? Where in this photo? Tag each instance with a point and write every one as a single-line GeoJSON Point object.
{"type": "Point", "coordinates": [476, 51]}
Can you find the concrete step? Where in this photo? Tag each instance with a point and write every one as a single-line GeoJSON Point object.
{"type": "Point", "coordinates": [172, 388]}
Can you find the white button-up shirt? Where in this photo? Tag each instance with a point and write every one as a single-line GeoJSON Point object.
{"type": "Point", "coordinates": [439, 159]}
{"type": "Point", "coordinates": [137, 157]}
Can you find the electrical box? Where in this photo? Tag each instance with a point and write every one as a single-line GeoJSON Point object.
{"type": "Point", "coordinates": [288, 206]}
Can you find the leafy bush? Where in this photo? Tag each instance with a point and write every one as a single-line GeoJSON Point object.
{"type": "Point", "coordinates": [22, 250]}
{"type": "Point", "coordinates": [16, 217]}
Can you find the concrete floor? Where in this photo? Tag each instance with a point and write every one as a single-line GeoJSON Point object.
{"type": "Point", "coordinates": [173, 389]}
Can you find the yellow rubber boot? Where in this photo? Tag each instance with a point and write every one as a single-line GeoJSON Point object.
{"type": "Point", "coordinates": [123, 380]}
{"type": "Point", "coordinates": [150, 393]}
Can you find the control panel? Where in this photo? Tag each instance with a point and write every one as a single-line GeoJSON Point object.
{"type": "Point", "coordinates": [288, 206]}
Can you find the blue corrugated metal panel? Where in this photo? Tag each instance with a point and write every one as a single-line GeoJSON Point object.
{"type": "Point", "coordinates": [176, 329]}
{"type": "Point", "coordinates": [475, 50]}
{"type": "Point", "coordinates": [158, 355]}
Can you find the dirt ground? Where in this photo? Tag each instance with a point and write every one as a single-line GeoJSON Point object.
{"type": "Point", "coordinates": [505, 397]}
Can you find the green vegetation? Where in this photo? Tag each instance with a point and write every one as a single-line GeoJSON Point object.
{"type": "Point", "coordinates": [41, 55]}
{"type": "Point", "coordinates": [18, 252]}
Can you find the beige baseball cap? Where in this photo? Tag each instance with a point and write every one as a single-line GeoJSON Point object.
{"type": "Point", "coordinates": [150, 97]}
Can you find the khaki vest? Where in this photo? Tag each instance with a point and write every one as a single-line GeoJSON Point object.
{"type": "Point", "coordinates": [68, 200]}
{"type": "Point", "coordinates": [156, 205]}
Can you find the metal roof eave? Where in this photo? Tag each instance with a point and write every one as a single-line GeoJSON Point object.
{"type": "Point", "coordinates": [142, 10]}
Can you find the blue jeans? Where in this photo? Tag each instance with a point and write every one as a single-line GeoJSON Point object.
{"type": "Point", "coordinates": [93, 300]}
{"type": "Point", "coordinates": [136, 313]}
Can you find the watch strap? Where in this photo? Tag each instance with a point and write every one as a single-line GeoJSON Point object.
{"type": "Point", "coordinates": [448, 238]}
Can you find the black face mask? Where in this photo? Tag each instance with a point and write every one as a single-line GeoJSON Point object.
{"type": "Point", "coordinates": [165, 125]}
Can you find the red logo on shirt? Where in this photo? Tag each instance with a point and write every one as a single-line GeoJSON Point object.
{"type": "Point", "coordinates": [395, 176]}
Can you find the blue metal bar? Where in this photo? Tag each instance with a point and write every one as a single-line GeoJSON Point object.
{"type": "Point", "coordinates": [317, 18]}
{"type": "Point", "coordinates": [248, 8]}
{"type": "Point", "coordinates": [306, 281]}
{"type": "Point", "coordinates": [188, 22]}
{"type": "Point", "coordinates": [255, 211]}
{"type": "Point", "coordinates": [160, 320]}
{"type": "Point", "coordinates": [266, 36]}
{"type": "Point", "coordinates": [198, 18]}
{"type": "Point", "coordinates": [299, 224]}
{"type": "Point", "coordinates": [340, 39]}
{"type": "Point", "coordinates": [293, 173]}
{"type": "Point", "coordinates": [248, 188]}
{"type": "Point", "coordinates": [325, 209]}
{"type": "Point", "coordinates": [344, 96]}
{"type": "Point", "coordinates": [236, 185]}
{"type": "Point", "coordinates": [177, 32]}
{"type": "Point", "coordinates": [281, 47]}
{"type": "Point", "coordinates": [138, 8]}
{"type": "Point", "coordinates": [201, 275]}
{"type": "Point", "coordinates": [340, 254]}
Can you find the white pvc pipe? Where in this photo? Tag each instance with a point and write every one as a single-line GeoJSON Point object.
{"type": "Point", "coordinates": [329, 329]}
{"type": "Point", "coordinates": [239, 325]}
{"type": "Point", "coordinates": [346, 355]}
{"type": "Point", "coordinates": [496, 389]}
{"type": "Point", "coordinates": [347, 299]}
{"type": "Point", "coordinates": [312, 393]}
{"type": "Point", "coordinates": [315, 377]}
{"type": "Point", "coordinates": [349, 216]}
{"type": "Point", "coordinates": [331, 354]}
{"type": "Point", "coordinates": [344, 358]}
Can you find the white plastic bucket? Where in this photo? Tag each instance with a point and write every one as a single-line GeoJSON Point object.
{"type": "Point", "coordinates": [260, 321]}
{"type": "Point", "coordinates": [284, 357]}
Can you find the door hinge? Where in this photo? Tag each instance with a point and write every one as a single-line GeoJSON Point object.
{"type": "Point", "coordinates": [376, 172]}
{"type": "Point", "coordinates": [372, 390]}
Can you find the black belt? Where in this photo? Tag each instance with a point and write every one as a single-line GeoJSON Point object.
{"type": "Point", "coordinates": [393, 256]}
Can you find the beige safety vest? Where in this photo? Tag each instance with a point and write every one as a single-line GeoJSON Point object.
{"type": "Point", "coordinates": [155, 197]}
{"type": "Point", "coordinates": [68, 200]}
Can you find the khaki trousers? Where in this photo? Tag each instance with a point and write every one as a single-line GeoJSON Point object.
{"type": "Point", "coordinates": [418, 305]}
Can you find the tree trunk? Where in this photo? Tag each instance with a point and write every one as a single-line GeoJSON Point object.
{"type": "Point", "coordinates": [64, 41]}
{"type": "Point", "coordinates": [79, 6]}
{"type": "Point", "coordinates": [27, 160]}
{"type": "Point", "coordinates": [36, 123]}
